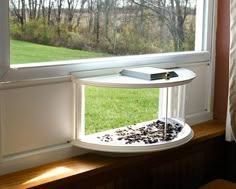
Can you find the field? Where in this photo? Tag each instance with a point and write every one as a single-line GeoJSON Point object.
{"type": "Point", "coordinates": [24, 52]}
{"type": "Point", "coordinates": [106, 108]}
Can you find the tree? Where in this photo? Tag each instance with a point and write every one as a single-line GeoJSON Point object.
{"type": "Point", "coordinates": [58, 15]}
{"type": "Point", "coordinates": [173, 14]}
{"type": "Point", "coordinates": [50, 7]}
{"type": "Point", "coordinates": [108, 11]}
{"type": "Point", "coordinates": [19, 11]}
{"type": "Point", "coordinates": [97, 21]}
{"type": "Point", "coordinates": [72, 8]}
{"type": "Point", "coordinates": [80, 12]}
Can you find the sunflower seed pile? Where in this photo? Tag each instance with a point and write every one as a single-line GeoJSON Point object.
{"type": "Point", "coordinates": [148, 134]}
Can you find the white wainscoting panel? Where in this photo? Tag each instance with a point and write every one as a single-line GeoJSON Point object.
{"type": "Point", "coordinates": [199, 95]}
{"type": "Point", "coordinates": [36, 117]}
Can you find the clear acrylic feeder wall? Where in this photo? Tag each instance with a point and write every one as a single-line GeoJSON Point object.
{"type": "Point", "coordinates": [172, 103]}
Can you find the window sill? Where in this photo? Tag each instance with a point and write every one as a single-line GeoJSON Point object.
{"type": "Point", "coordinates": [90, 164]}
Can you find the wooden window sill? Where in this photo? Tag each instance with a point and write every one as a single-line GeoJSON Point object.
{"type": "Point", "coordinates": [91, 164]}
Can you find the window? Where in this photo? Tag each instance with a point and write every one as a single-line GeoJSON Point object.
{"type": "Point", "coordinates": [114, 32]}
{"type": "Point", "coordinates": [99, 28]}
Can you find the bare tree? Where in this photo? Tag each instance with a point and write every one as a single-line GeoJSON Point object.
{"type": "Point", "coordinates": [97, 21]}
{"type": "Point", "coordinates": [91, 14]}
{"type": "Point", "coordinates": [108, 7]}
{"type": "Point", "coordinates": [49, 12]}
{"type": "Point", "coordinates": [71, 7]}
{"type": "Point", "coordinates": [172, 14]}
{"type": "Point", "coordinates": [74, 11]}
{"type": "Point", "coordinates": [40, 5]}
{"type": "Point", "coordinates": [141, 25]}
{"type": "Point", "coordinates": [58, 15]}
{"type": "Point", "coordinates": [32, 8]}
{"type": "Point", "coordinates": [19, 11]}
{"type": "Point", "coordinates": [35, 8]}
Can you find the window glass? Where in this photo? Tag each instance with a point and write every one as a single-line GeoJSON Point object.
{"type": "Point", "coordinates": [51, 30]}
{"type": "Point", "coordinates": [108, 108]}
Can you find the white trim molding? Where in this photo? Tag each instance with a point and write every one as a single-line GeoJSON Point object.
{"type": "Point", "coordinates": [4, 38]}
{"type": "Point", "coordinates": [199, 117]}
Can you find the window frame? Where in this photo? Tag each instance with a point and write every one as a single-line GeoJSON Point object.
{"type": "Point", "coordinates": [203, 52]}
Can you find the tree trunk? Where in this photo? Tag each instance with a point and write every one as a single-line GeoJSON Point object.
{"type": "Point", "coordinates": [180, 25]}
{"type": "Point", "coordinates": [58, 16]}
{"type": "Point", "coordinates": [80, 13]}
{"type": "Point", "coordinates": [50, 6]}
{"type": "Point", "coordinates": [91, 16]}
{"type": "Point", "coordinates": [98, 21]}
{"type": "Point", "coordinates": [141, 25]}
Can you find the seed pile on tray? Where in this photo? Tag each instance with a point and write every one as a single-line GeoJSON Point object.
{"type": "Point", "coordinates": [147, 134]}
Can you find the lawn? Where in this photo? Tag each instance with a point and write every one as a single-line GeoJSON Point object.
{"type": "Point", "coordinates": [106, 108]}
{"type": "Point", "coordinates": [24, 52]}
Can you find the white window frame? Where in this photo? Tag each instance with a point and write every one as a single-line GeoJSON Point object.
{"type": "Point", "coordinates": [203, 52]}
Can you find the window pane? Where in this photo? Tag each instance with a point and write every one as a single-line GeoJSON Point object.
{"type": "Point", "coordinates": [108, 108]}
{"type": "Point", "coordinates": [76, 29]}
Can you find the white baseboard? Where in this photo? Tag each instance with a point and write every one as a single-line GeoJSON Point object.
{"type": "Point", "coordinates": [199, 117]}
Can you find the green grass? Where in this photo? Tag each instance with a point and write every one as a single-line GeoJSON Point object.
{"type": "Point", "coordinates": [106, 108]}
{"type": "Point", "coordinates": [25, 52]}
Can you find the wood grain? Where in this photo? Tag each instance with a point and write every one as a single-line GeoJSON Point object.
{"type": "Point", "coordinates": [219, 184]}
{"type": "Point", "coordinates": [105, 171]}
